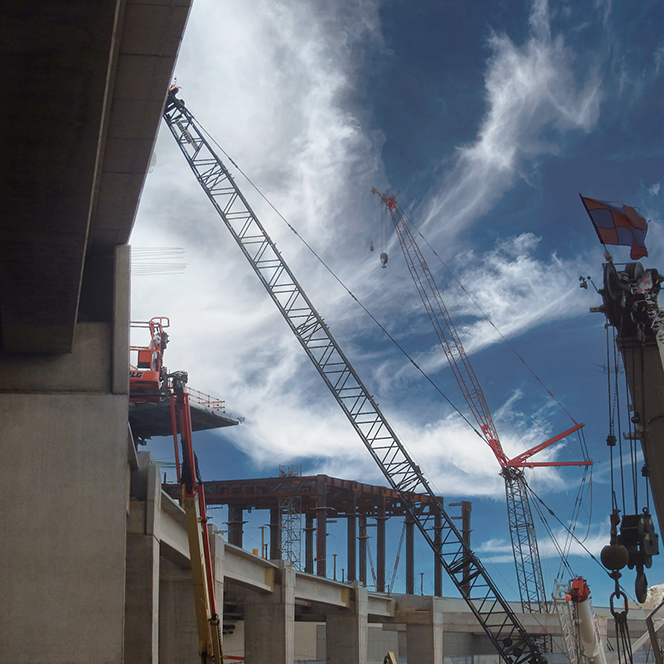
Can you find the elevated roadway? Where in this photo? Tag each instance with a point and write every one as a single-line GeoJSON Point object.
{"type": "Point", "coordinates": [84, 85]}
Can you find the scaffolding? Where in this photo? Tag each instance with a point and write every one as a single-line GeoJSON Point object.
{"type": "Point", "coordinates": [290, 520]}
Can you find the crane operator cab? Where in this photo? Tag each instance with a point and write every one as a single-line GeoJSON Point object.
{"type": "Point", "coordinates": [147, 374]}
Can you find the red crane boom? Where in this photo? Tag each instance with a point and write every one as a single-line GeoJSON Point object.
{"type": "Point", "coordinates": [522, 529]}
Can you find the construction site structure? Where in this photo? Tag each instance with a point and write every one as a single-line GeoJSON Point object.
{"type": "Point", "coordinates": [630, 305]}
{"type": "Point", "coordinates": [631, 308]}
{"type": "Point", "coordinates": [589, 637]}
{"type": "Point", "coordinates": [150, 406]}
{"type": "Point", "coordinates": [322, 499]}
{"type": "Point", "coordinates": [499, 621]}
{"type": "Point", "coordinates": [290, 520]}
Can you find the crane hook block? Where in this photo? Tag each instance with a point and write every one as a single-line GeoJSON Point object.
{"type": "Point", "coordinates": [371, 247]}
{"type": "Point", "coordinates": [383, 260]}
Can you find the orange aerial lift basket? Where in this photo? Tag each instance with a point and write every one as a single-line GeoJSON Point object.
{"type": "Point", "coordinates": [147, 374]}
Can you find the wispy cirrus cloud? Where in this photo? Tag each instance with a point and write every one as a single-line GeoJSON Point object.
{"type": "Point", "coordinates": [498, 550]}
{"type": "Point", "coordinates": [532, 96]}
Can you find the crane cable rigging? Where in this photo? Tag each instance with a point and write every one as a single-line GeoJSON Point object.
{"type": "Point", "coordinates": [570, 531]}
{"type": "Point", "coordinates": [570, 537]}
{"type": "Point", "coordinates": [522, 531]}
{"type": "Point", "coordinates": [581, 436]}
{"type": "Point", "coordinates": [342, 284]}
{"type": "Point", "coordinates": [630, 458]}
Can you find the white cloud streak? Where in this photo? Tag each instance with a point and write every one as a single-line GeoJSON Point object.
{"type": "Point", "coordinates": [532, 96]}
{"type": "Point", "coordinates": [587, 540]}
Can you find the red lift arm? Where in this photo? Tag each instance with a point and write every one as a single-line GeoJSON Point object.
{"type": "Point", "coordinates": [150, 382]}
{"type": "Point", "coordinates": [193, 501]}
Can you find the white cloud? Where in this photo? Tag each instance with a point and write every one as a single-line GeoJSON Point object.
{"type": "Point", "coordinates": [513, 291]}
{"type": "Point", "coordinates": [532, 96]}
{"type": "Point", "coordinates": [498, 550]}
{"type": "Point", "coordinates": [516, 290]}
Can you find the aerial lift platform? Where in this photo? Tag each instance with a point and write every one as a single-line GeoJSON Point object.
{"type": "Point", "coordinates": [160, 404]}
{"type": "Point", "coordinates": [149, 406]}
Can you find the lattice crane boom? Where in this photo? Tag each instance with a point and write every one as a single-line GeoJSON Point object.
{"type": "Point", "coordinates": [522, 528]}
{"type": "Point", "coordinates": [495, 615]}
{"type": "Point", "coordinates": [444, 328]}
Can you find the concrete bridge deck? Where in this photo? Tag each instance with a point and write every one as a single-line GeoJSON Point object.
{"type": "Point", "coordinates": [265, 599]}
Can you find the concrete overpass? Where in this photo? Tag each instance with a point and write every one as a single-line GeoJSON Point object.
{"type": "Point", "coordinates": [84, 85]}
{"type": "Point", "coordinates": [268, 606]}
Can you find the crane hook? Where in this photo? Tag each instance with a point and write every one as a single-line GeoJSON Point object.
{"type": "Point", "coordinates": [383, 260]}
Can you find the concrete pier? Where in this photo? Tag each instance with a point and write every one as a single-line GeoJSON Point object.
{"type": "Point", "coordinates": [346, 630]}
{"type": "Point", "coordinates": [65, 446]}
{"type": "Point", "coordinates": [423, 617]}
{"type": "Point", "coordinates": [269, 622]}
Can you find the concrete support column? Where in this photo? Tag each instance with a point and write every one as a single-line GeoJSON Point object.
{"type": "Point", "coordinates": [269, 622]}
{"type": "Point", "coordinates": [380, 547]}
{"type": "Point", "coordinates": [437, 565]}
{"type": "Point", "coordinates": [275, 534]}
{"type": "Point", "coordinates": [424, 629]}
{"type": "Point", "coordinates": [142, 571]}
{"type": "Point", "coordinates": [346, 630]}
{"type": "Point", "coordinates": [309, 531]}
{"type": "Point", "coordinates": [217, 551]}
{"type": "Point", "coordinates": [410, 555]}
{"type": "Point", "coordinates": [351, 540]}
{"type": "Point", "coordinates": [235, 524]}
{"type": "Point", "coordinates": [363, 549]}
{"type": "Point", "coordinates": [64, 517]}
{"type": "Point", "coordinates": [142, 600]}
{"type": "Point", "coordinates": [178, 632]}
{"type": "Point", "coordinates": [321, 532]}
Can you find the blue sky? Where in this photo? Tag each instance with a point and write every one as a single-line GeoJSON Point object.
{"type": "Point", "coordinates": [489, 122]}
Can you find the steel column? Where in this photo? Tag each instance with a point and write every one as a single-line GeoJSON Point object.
{"type": "Point", "coordinates": [275, 534]}
{"type": "Point", "coordinates": [309, 531]}
{"type": "Point", "coordinates": [363, 549]}
{"type": "Point", "coordinates": [410, 555]}
{"type": "Point", "coordinates": [235, 524]}
{"type": "Point", "coordinates": [321, 532]}
{"type": "Point", "coordinates": [351, 538]}
{"type": "Point", "coordinates": [437, 567]}
{"type": "Point", "coordinates": [380, 547]}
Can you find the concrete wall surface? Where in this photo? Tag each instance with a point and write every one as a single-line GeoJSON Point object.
{"type": "Point", "coordinates": [63, 515]}
{"type": "Point", "coordinates": [62, 528]}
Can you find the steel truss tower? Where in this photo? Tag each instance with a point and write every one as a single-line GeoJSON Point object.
{"type": "Point", "coordinates": [290, 519]}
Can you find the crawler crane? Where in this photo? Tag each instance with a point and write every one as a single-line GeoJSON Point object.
{"type": "Point", "coordinates": [474, 584]}
{"type": "Point", "coordinates": [522, 528]}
